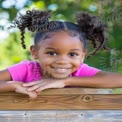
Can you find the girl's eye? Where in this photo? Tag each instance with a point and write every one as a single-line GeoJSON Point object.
{"type": "Point", "coordinates": [51, 53]}
{"type": "Point", "coordinates": [73, 54]}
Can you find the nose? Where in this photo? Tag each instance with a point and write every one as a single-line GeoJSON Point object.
{"type": "Point", "coordinates": [61, 60]}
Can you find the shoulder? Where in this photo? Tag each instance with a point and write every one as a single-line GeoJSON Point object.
{"type": "Point", "coordinates": [25, 64]}
{"type": "Point", "coordinates": [29, 64]}
{"type": "Point", "coordinates": [24, 70]}
{"type": "Point", "coordinates": [86, 70]}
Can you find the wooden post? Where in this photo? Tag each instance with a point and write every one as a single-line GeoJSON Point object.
{"type": "Point", "coordinates": [63, 99]}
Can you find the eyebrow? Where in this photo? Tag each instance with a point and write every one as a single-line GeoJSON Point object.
{"type": "Point", "coordinates": [50, 48]}
{"type": "Point", "coordinates": [75, 50]}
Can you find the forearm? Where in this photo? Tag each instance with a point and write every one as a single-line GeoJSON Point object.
{"type": "Point", "coordinates": [7, 86]}
{"type": "Point", "coordinates": [101, 80]}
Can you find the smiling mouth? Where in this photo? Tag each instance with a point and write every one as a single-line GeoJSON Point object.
{"type": "Point", "coordinates": [61, 70]}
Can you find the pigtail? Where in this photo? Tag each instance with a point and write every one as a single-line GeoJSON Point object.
{"type": "Point", "coordinates": [94, 30]}
{"type": "Point", "coordinates": [31, 20]}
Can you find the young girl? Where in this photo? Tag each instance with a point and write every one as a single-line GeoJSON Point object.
{"type": "Point", "coordinates": [60, 48]}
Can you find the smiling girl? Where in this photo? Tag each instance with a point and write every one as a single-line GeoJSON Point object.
{"type": "Point", "coordinates": [60, 48]}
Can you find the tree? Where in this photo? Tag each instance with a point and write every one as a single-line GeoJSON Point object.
{"type": "Point", "coordinates": [108, 10]}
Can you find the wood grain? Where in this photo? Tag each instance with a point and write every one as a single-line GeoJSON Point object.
{"type": "Point", "coordinates": [61, 116]}
{"type": "Point", "coordinates": [62, 99]}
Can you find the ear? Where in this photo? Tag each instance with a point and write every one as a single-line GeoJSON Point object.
{"type": "Point", "coordinates": [33, 51]}
{"type": "Point", "coordinates": [83, 56]}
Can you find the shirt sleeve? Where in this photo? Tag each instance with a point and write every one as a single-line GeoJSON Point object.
{"type": "Point", "coordinates": [85, 71]}
{"type": "Point", "coordinates": [19, 71]}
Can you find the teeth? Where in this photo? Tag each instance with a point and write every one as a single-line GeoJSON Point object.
{"type": "Point", "coordinates": [61, 70]}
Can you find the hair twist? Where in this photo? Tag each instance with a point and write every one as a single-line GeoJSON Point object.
{"type": "Point", "coordinates": [31, 20]}
{"type": "Point", "coordinates": [94, 29]}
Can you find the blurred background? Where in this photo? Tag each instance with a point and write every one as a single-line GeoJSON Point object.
{"type": "Point", "coordinates": [109, 11]}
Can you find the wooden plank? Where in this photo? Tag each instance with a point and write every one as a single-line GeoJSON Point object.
{"type": "Point", "coordinates": [62, 99]}
{"type": "Point", "coordinates": [61, 116]}
{"type": "Point", "coordinates": [61, 102]}
{"type": "Point", "coordinates": [72, 91]}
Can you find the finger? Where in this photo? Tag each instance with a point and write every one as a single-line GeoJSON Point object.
{"type": "Point", "coordinates": [50, 85]}
{"type": "Point", "coordinates": [31, 83]}
{"type": "Point", "coordinates": [46, 86]}
{"type": "Point", "coordinates": [42, 88]}
{"type": "Point", "coordinates": [36, 86]}
{"type": "Point", "coordinates": [32, 95]}
{"type": "Point", "coordinates": [33, 88]}
{"type": "Point", "coordinates": [38, 93]}
{"type": "Point", "coordinates": [22, 91]}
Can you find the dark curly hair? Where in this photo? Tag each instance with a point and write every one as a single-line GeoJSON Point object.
{"type": "Point", "coordinates": [88, 27]}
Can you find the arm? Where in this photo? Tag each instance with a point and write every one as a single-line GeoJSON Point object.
{"type": "Point", "coordinates": [100, 80]}
{"type": "Point", "coordinates": [6, 84]}
{"type": "Point", "coordinates": [5, 78]}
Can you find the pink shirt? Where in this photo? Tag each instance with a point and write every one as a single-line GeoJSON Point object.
{"type": "Point", "coordinates": [27, 71]}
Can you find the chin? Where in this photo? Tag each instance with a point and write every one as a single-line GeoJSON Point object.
{"type": "Point", "coordinates": [60, 76]}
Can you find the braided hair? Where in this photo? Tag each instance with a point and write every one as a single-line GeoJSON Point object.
{"type": "Point", "coordinates": [88, 27]}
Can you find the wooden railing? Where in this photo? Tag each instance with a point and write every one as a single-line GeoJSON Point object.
{"type": "Point", "coordinates": [63, 99]}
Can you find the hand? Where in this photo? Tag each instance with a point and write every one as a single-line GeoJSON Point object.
{"type": "Point", "coordinates": [38, 86]}
{"type": "Point", "coordinates": [19, 88]}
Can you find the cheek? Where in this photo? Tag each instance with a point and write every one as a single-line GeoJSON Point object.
{"type": "Point", "coordinates": [45, 62]}
{"type": "Point", "coordinates": [76, 64]}
{"type": "Point", "coordinates": [78, 61]}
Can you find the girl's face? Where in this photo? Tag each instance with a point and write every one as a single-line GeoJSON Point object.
{"type": "Point", "coordinates": [59, 55]}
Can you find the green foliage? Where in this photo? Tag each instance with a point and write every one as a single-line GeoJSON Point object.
{"type": "Point", "coordinates": [108, 10]}
{"type": "Point", "coordinates": [11, 50]}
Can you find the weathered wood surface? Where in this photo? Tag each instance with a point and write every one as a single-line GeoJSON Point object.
{"type": "Point", "coordinates": [62, 116]}
{"type": "Point", "coordinates": [63, 99]}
